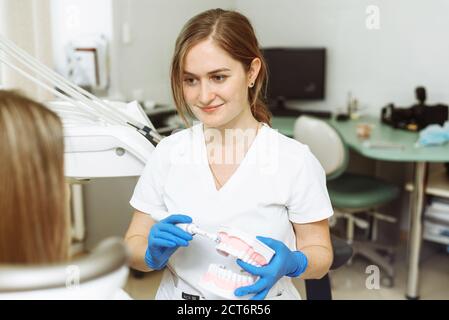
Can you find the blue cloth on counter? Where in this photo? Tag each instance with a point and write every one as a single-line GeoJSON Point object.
{"type": "Point", "coordinates": [434, 134]}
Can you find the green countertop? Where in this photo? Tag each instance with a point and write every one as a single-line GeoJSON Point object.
{"type": "Point", "coordinates": [381, 134]}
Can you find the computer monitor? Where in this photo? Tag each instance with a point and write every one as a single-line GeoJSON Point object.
{"type": "Point", "coordinates": [294, 74]}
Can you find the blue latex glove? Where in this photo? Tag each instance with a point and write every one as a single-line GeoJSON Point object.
{"type": "Point", "coordinates": [284, 263]}
{"type": "Point", "coordinates": [164, 239]}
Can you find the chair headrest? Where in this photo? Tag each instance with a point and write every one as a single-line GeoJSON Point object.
{"type": "Point", "coordinates": [324, 142]}
{"type": "Point", "coordinates": [110, 255]}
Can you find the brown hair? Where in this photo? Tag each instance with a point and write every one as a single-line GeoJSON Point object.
{"type": "Point", "coordinates": [34, 222]}
{"type": "Point", "coordinates": [232, 32]}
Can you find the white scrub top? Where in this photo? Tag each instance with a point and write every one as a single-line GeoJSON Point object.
{"type": "Point", "coordinates": [278, 182]}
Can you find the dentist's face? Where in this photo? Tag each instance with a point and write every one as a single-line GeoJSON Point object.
{"type": "Point", "coordinates": [215, 85]}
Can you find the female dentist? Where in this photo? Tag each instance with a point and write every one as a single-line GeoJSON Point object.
{"type": "Point", "coordinates": [230, 169]}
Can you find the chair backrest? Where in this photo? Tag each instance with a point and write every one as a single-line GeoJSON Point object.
{"type": "Point", "coordinates": [99, 275]}
{"type": "Point", "coordinates": [325, 142]}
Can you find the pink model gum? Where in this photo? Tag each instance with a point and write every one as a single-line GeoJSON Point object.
{"type": "Point", "coordinates": [240, 245]}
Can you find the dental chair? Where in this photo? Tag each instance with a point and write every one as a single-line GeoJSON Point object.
{"type": "Point", "coordinates": [100, 275]}
{"type": "Point", "coordinates": [350, 194]}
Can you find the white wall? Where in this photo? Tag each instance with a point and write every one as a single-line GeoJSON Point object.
{"type": "Point", "coordinates": [378, 66]}
{"type": "Point", "coordinates": [27, 24]}
{"type": "Point", "coordinates": [144, 63]}
{"type": "Point", "coordinates": [140, 60]}
{"type": "Point", "coordinates": [73, 19]}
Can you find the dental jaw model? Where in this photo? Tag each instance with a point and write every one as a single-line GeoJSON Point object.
{"type": "Point", "coordinates": [231, 242]}
{"type": "Point", "coordinates": [244, 247]}
{"type": "Point", "coordinates": [222, 281]}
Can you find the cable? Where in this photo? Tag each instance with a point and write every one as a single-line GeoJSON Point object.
{"type": "Point", "coordinates": [72, 93]}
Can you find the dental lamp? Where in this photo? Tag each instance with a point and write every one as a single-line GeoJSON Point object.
{"type": "Point", "coordinates": [102, 138]}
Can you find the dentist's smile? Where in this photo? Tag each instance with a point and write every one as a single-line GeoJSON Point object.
{"type": "Point", "coordinates": [210, 109]}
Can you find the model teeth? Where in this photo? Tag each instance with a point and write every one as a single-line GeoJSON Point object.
{"type": "Point", "coordinates": [221, 272]}
{"type": "Point", "coordinates": [228, 281]}
{"type": "Point", "coordinates": [223, 281]}
{"type": "Point", "coordinates": [246, 256]}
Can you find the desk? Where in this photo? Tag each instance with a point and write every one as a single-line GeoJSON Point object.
{"type": "Point", "coordinates": [408, 153]}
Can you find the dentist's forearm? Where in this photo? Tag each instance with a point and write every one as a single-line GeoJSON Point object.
{"type": "Point", "coordinates": [319, 260]}
{"type": "Point", "coordinates": [138, 245]}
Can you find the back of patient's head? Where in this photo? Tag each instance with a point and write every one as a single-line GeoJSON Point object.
{"type": "Point", "coordinates": [34, 222]}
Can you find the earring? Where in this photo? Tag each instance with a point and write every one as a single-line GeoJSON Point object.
{"type": "Point", "coordinates": [251, 84]}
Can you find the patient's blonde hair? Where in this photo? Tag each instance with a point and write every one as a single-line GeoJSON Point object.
{"type": "Point", "coordinates": [34, 222]}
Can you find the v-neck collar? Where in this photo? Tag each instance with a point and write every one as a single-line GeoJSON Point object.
{"type": "Point", "coordinates": [210, 176]}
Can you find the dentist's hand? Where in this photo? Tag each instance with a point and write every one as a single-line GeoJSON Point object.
{"type": "Point", "coordinates": [284, 263]}
{"type": "Point", "coordinates": [164, 239]}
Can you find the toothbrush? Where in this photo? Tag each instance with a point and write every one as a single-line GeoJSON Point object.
{"type": "Point", "coordinates": [194, 229]}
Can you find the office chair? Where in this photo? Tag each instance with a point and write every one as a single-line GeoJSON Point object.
{"type": "Point", "coordinates": [350, 193]}
{"type": "Point", "coordinates": [100, 275]}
